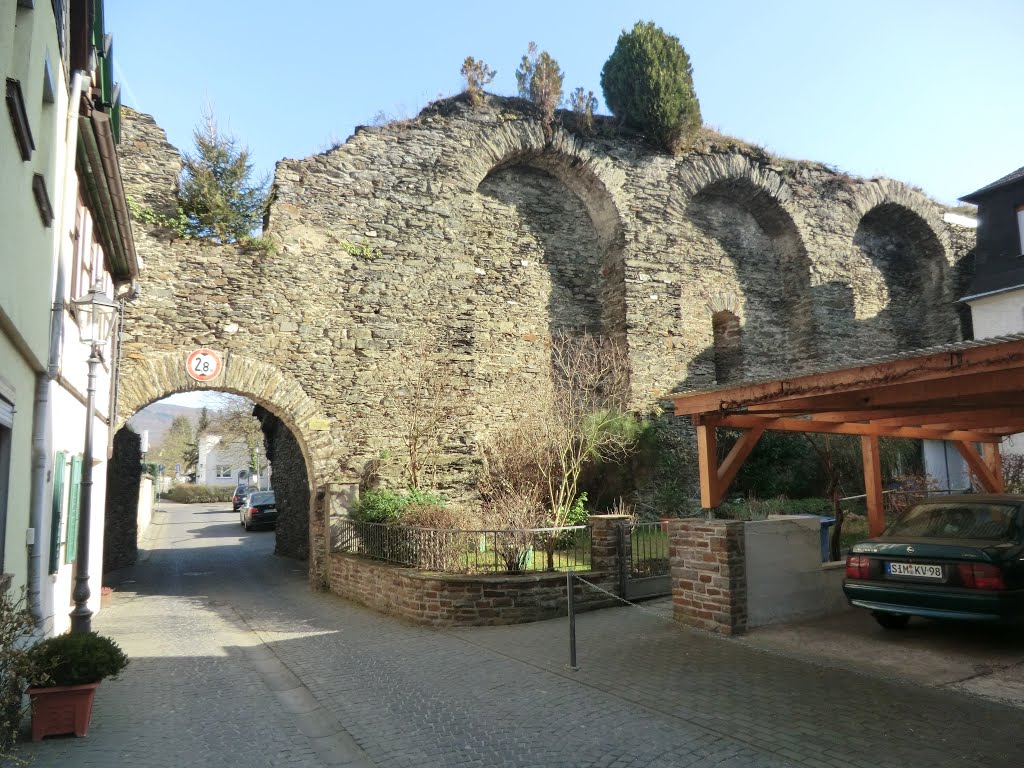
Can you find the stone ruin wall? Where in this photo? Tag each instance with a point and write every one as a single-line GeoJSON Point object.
{"type": "Point", "coordinates": [472, 236]}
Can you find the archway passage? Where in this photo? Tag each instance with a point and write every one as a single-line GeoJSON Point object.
{"type": "Point", "coordinates": [200, 449]}
{"type": "Point", "coordinates": [291, 424]}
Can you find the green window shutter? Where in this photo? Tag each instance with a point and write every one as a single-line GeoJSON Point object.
{"type": "Point", "coordinates": [74, 498]}
{"type": "Point", "coordinates": [57, 510]}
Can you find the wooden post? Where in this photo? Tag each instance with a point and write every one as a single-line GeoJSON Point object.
{"type": "Point", "coordinates": [991, 482]}
{"type": "Point", "coordinates": [990, 453]}
{"type": "Point", "coordinates": [873, 484]}
{"type": "Point", "coordinates": [707, 458]}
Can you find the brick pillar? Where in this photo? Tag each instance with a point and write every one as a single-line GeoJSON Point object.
{"type": "Point", "coordinates": [604, 541]}
{"type": "Point", "coordinates": [709, 574]}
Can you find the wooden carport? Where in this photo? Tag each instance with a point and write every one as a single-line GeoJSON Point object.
{"type": "Point", "coordinates": [971, 394]}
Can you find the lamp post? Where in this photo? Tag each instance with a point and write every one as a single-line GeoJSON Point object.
{"type": "Point", "coordinates": [96, 313]}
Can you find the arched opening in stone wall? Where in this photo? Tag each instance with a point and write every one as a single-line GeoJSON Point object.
{"type": "Point", "coordinates": [546, 244]}
{"type": "Point", "coordinates": [898, 272]}
{"type": "Point", "coordinates": [728, 345]}
{"type": "Point", "coordinates": [743, 242]}
{"type": "Point", "coordinates": [146, 378]}
{"type": "Point", "coordinates": [199, 450]}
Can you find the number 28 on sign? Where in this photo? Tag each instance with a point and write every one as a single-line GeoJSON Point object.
{"type": "Point", "coordinates": [203, 364]}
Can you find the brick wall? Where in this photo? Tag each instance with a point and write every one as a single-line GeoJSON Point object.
{"type": "Point", "coordinates": [449, 600]}
{"type": "Point", "coordinates": [708, 560]}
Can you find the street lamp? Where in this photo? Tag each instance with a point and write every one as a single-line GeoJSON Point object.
{"type": "Point", "coordinates": [96, 313]}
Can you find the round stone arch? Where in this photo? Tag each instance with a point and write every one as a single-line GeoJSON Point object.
{"type": "Point", "coordinates": [731, 206]}
{"type": "Point", "coordinates": [898, 237]}
{"type": "Point", "coordinates": [586, 195]}
{"type": "Point", "coordinates": [158, 375]}
{"type": "Point", "coordinates": [897, 196]}
{"type": "Point", "coordinates": [594, 179]}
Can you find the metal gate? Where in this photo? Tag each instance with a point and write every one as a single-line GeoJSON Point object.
{"type": "Point", "coordinates": [643, 561]}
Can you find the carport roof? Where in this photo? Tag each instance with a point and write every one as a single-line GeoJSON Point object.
{"type": "Point", "coordinates": [970, 392]}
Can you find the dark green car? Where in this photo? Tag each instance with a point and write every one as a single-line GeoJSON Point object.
{"type": "Point", "coordinates": [955, 557]}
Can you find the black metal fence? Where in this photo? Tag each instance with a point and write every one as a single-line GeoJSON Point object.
{"type": "Point", "coordinates": [648, 550]}
{"type": "Point", "coordinates": [477, 551]}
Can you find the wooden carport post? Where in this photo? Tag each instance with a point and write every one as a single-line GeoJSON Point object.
{"type": "Point", "coordinates": [873, 484]}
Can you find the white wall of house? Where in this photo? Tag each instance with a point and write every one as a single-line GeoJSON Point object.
{"type": "Point", "coordinates": [999, 314]}
{"type": "Point", "coordinates": [226, 463]}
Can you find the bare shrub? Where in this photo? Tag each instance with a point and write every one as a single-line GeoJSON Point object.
{"type": "Point", "coordinates": [443, 538]}
{"type": "Point", "coordinates": [583, 104]}
{"type": "Point", "coordinates": [1013, 472]}
{"type": "Point", "coordinates": [424, 408]}
{"type": "Point", "coordinates": [574, 415]}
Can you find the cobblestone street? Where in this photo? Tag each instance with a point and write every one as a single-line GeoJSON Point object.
{"type": "Point", "coordinates": [236, 663]}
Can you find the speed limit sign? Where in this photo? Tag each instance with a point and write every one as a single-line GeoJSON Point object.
{"type": "Point", "coordinates": [203, 364]}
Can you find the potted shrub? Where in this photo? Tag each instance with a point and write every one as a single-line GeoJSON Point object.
{"type": "Point", "coordinates": [72, 666]}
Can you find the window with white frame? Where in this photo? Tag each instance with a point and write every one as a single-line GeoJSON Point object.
{"type": "Point", "coordinates": [223, 470]}
{"type": "Point", "coordinates": [1020, 226]}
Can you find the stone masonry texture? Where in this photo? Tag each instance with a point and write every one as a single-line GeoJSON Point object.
{"type": "Point", "coordinates": [121, 517]}
{"type": "Point", "coordinates": [291, 486]}
{"type": "Point", "coordinates": [473, 235]}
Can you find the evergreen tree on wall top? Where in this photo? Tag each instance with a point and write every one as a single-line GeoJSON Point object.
{"type": "Point", "coordinates": [219, 196]}
{"type": "Point", "coordinates": [648, 84]}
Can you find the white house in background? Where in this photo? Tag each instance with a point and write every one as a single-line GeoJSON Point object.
{"type": "Point", "coordinates": [995, 296]}
{"type": "Point", "coordinates": [228, 463]}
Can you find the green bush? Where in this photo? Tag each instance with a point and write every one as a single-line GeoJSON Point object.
{"type": "Point", "coordinates": [648, 84]}
{"type": "Point", "coordinates": [77, 658]}
{"type": "Point", "coordinates": [386, 506]}
{"type": "Point", "coordinates": [185, 493]}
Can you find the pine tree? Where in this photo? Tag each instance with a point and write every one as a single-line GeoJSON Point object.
{"type": "Point", "coordinates": [219, 197]}
{"type": "Point", "coordinates": [540, 80]}
{"type": "Point", "coordinates": [648, 84]}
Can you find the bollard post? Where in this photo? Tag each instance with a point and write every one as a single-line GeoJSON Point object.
{"type": "Point", "coordinates": [571, 605]}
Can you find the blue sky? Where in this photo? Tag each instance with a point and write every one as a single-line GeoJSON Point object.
{"type": "Point", "coordinates": [926, 91]}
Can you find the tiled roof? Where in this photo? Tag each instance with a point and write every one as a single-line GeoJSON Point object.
{"type": "Point", "coordinates": [1009, 178]}
{"type": "Point", "coordinates": [952, 347]}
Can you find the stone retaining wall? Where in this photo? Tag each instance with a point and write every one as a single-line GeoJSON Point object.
{"type": "Point", "coordinates": [441, 599]}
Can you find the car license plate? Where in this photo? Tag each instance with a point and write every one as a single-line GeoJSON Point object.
{"type": "Point", "coordinates": [914, 570]}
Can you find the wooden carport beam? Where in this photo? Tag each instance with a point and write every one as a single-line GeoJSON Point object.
{"type": "Point", "coordinates": [990, 453]}
{"type": "Point", "coordinates": [750, 421]}
{"type": "Point", "coordinates": [715, 479]}
{"type": "Point", "coordinates": [991, 481]}
{"type": "Point", "coordinates": [873, 484]}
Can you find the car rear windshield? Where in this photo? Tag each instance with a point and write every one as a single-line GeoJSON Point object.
{"type": "Point", "coordinates": [261, 497]}
{"type": "Point", "coordinates": [991, 522]}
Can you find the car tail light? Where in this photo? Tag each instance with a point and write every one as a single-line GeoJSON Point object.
{"type": "Point", "coordinates": [858, 567]}
{"type": "Point", "coordinates": [253, 511]}
{"type": "Point", "coordinates": [981, 576]}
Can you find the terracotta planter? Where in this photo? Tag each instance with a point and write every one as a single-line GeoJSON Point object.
{"type": "Point", "coordinates": [61, 709]}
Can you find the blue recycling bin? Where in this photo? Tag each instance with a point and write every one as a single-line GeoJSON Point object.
{"type": "Point", "coordinates": [826, 526]}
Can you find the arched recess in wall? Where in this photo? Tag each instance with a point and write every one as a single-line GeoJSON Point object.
{"type": "Point", "coordinates": [899, 276]}
{"type": "Point", "coordinates": [740, 239]}
{"type": "Point", "coordinates": [546, 240]}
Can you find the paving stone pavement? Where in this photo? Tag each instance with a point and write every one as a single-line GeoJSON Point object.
{"type": "Point", "coordinates": [236, 663]}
